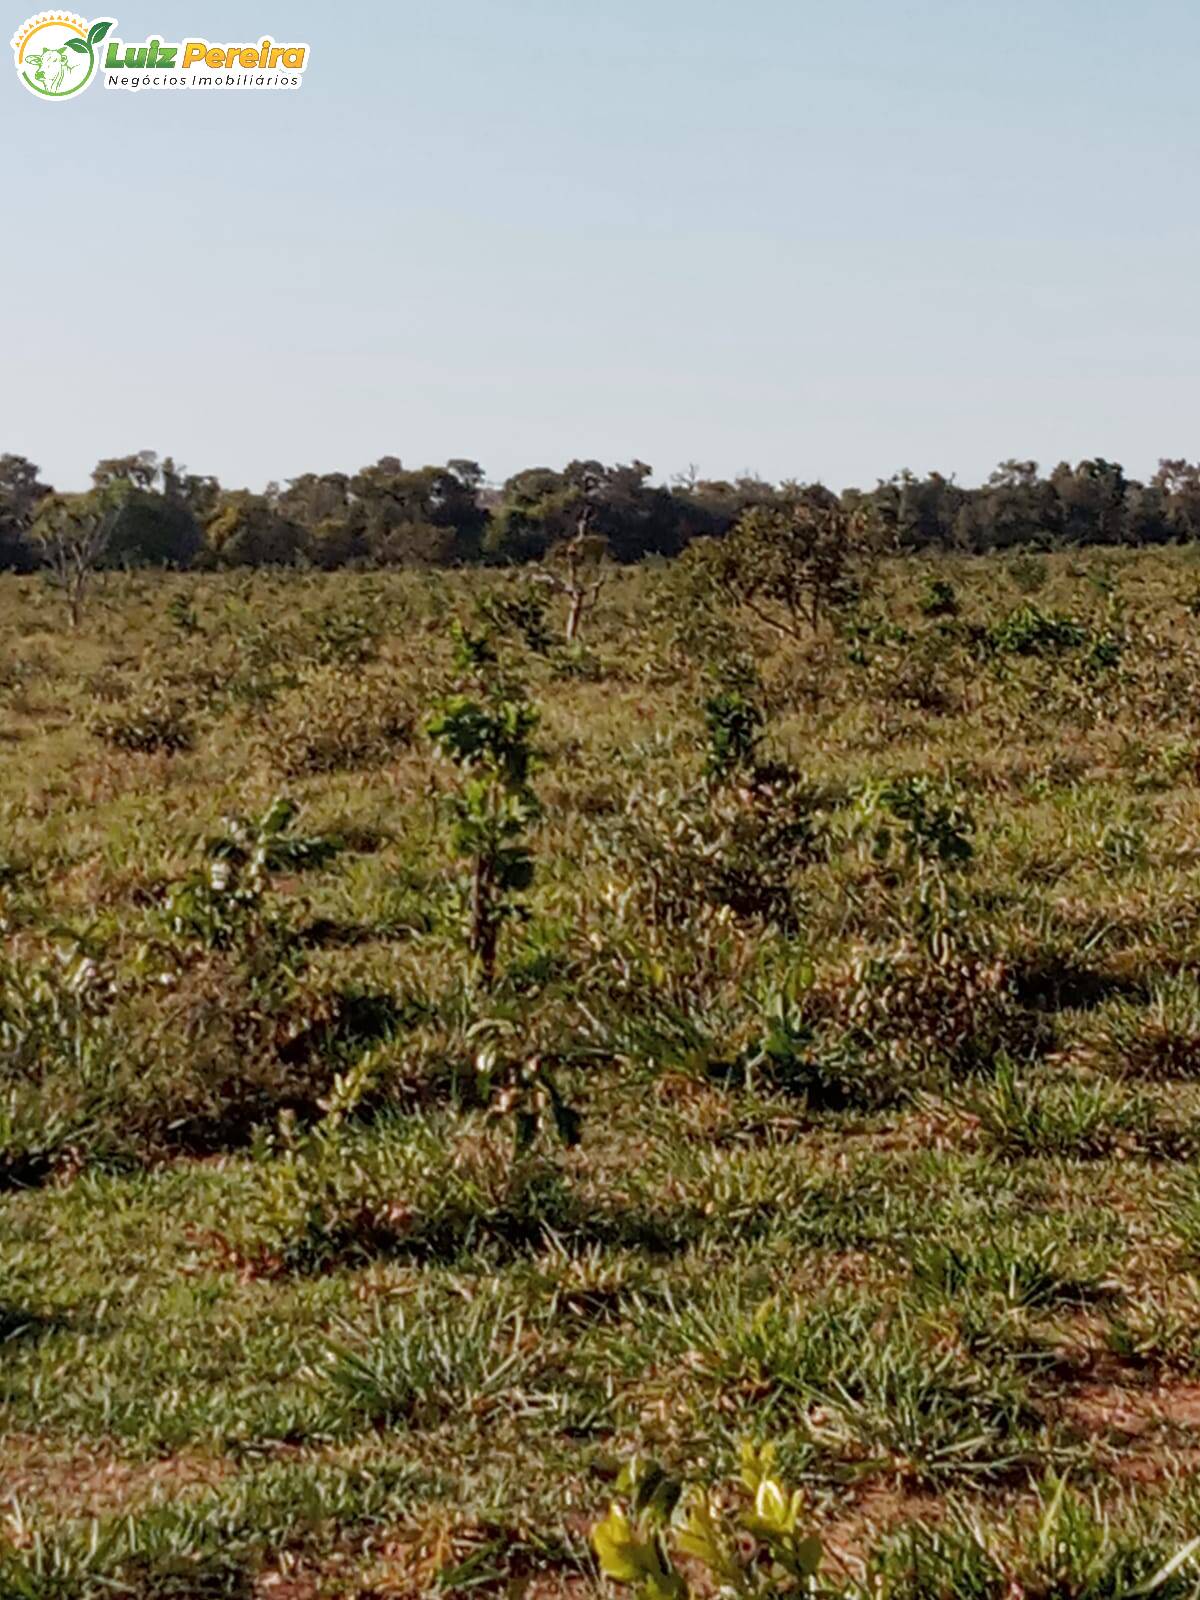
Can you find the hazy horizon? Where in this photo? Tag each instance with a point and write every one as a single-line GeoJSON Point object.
{"type": "Point", "coordinates": [782, 241]}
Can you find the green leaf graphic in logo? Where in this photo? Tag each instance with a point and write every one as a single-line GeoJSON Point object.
{"type": "Point", "coordinates": [97, 31]}
{"type": "Point", "coordinates": [77, 44]}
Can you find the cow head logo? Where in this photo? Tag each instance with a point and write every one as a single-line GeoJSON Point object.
{"type": "Point", "coordinates": [55, 53]}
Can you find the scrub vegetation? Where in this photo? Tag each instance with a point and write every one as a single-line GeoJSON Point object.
{"type": "Point", "coordinates": [702, 1096]}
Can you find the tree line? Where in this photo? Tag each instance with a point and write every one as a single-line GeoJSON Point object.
{"type": "Point", "coordinates": [143, 510]}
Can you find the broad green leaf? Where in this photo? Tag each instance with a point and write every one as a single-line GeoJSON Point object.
{"type": "Point", "coordinates": [700, 1537]}
{"type": "Point", "coordinates": [617, 1550]}
{"type": "Point", "coordinates": [664, 1586]}
{"type": "Point", "coordinates": [77, 44]}
{"type": "Point", "coordinates": [771, 1505]}
{"type": "Point", "coordinates": [807, 1557]}
{"type": "Point", "coordinates": [97, 31]}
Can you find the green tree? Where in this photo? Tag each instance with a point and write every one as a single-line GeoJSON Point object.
{"type": "Point", "coordinates": [1091, 498]}
{"type": "Point", "coordinates": [791, 564]}
{"type": "Point", "coordinates": [157, 520]}
{"type": "Point", "coordinates": [431, 516]}
{"type": "Point", "coordinates": [314, 500]}
{"type": "Point", "coordinates": [538, 509]}
{"type": "Point", "coordinates": [247, 530]}
{"type": "Point", "coordinates": [72, 533]}
{"type": "Point", "coordinates": [20, 493]}
{"type": "Point", "coordinates": [1179, 482]}
{"type": "Point", "coordinates": [1016, 506]}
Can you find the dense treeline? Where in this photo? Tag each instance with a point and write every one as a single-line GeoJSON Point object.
{"type": "Point", "coordinates": [154, 512]}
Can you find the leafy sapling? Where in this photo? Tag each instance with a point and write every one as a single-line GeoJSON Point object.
{"type": "Point", "coordinates": [733, 720]}
{"type": "Point", "coordinates": [487, 735]}
{"type": "Point", "coordinates": [924, 819]}
{"type": "Point", "coordinates": [226, 902]}
{"type": "Point", "coordinates": [528, 1091]}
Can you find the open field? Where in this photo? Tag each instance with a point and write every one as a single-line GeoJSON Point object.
{"type": "Point", "coordinates": [838, 1085]}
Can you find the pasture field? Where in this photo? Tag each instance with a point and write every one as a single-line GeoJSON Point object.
{"type": "Point", "coordinates": [837, 1085]}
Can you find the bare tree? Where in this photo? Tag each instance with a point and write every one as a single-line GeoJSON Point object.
{"type": "Point", "coordinates": [573, 569]}
{"type": "Point", "coordinates": [72, 533]}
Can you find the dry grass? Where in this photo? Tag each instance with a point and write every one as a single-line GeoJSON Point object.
{"type": "Point", "coordinates": [887, 1143]}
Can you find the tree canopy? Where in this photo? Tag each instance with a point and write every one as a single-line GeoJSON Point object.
{"type": "Point", "coordinates": [390, 514]}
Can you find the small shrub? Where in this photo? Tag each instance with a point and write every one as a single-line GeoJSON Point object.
{"type": "Point", "coordinates": [689, 610]}
{"type": "Point", "coordinates": [344, 638]}
{"type": "Point", "coordinates": [575, 663]}
{"type": "Point", "coordinates": [793, 563]}
{"type": "Point", "coordinates": [750, 1543]}
{"type": "Point", "coordinates": [741, 848]}
{"type": "Point", "coordinates": [874, 1032]}
{"type": "Point", "coordinates": [827, 1067]}
{"type": "Point", "coordinates": [333, 722]}
{"type": "Point", "coordinates": [58, 1066]}
{"type": "Point", "coordinates": [938, 598]}
{"type": "Point", "coordinates": [733, 720]}
{"type": "Point", "coordinates": [155, 720]}
{"type": "Point", "coordinates": [1029, 631]}
{"type": "Point", "coordinates": [227, 902]}
{"type": "Point", "coordinates": [524, 613]}
{"type": "Point", "coordinates": [1028, 572]}
{"type": "Point", "coordinates": [925, 820]}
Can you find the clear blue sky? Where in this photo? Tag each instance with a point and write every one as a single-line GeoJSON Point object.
{"type": "Point", "coordinates": [822, 240]}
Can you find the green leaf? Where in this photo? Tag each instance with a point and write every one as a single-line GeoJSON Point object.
{"type": "Point", "coordinates": [97, 31]}
{"type": "Point", "coordinates": [807, 1556]}
{"type": "Point", "coordinates": [771, 1505]}
{"type": "Point", "coordinates": [657, 1492]}
{"type": "Point", "coordinates": [701, 1539]}
{"type": "Point", "coordinates": [620, 1554]}
{"type": "Point", "coordinates": [77, 44]}
{"type": "Point", "coordinates": [664, 1586]}
{"type": "Point", "coordinates": [279, 817]}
